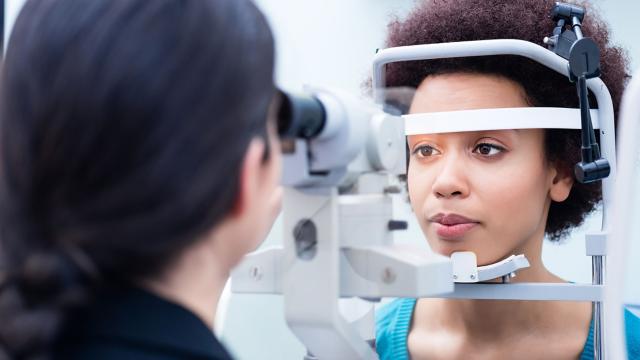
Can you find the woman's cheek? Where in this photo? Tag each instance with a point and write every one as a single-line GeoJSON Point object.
{"type": "Point", "coordinates": [419, 188]}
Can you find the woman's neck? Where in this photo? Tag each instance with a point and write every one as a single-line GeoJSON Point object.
{"type": "Point", "coordinates": [194, 281]}
{"type": "Point", "coordinates": [479, 318]}
{"type": "Point", "coordinates": [493, 318]}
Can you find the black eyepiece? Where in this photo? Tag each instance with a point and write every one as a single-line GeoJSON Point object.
{"type": "Point", "coordinates": [300, 116]}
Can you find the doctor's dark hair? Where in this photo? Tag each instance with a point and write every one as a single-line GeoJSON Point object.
{"type": "Point", "coordinates": [124, 126]}
{"type": "Point", "coordinates": [440, 21]}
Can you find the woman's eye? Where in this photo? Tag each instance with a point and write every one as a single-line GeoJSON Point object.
{"type": "Point", "coordinates": [425, 151]}
{"type": "Point", "coordinates": [486, 149]}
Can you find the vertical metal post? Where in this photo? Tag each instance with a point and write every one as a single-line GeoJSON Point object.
{"type": "Point", "coordinates": [598, 313]}
{"type": "Point", "coordinates": [311, 281]}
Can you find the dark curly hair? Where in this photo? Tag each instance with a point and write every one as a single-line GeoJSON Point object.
{"type": "Point", "coordinates": [440, 21]}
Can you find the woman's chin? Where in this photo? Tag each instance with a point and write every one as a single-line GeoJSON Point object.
{"type": "Point", "coordinates": [446, 248]}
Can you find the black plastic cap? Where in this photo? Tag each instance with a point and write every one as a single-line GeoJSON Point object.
{"type": "Point", "coordinates": [593, 171]}
{"type": "Point", "coordinates": [397, 225]}
{"type": "Point", "coordinates": [567, 11]}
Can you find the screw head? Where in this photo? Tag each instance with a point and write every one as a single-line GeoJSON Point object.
{"type": "Point", "coordinates": [255, 273]}
{"type": "Point", "coordinates": [388, 275]}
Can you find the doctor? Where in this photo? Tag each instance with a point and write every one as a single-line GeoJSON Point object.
{"type": "Point", "coordinates": [139, 163]}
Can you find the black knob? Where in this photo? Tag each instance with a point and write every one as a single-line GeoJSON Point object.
{"type": "Point", "coordinates": [592, 171]}
{"type": "Point", "coordinates": [397, 225]}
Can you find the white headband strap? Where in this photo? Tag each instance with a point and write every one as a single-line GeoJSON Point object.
{"type": "Point", "coordinates": [495, 119]}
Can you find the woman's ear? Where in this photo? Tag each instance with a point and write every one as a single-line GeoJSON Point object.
{"type": "Point", "coordinates": [258, 181]}
{"type": "Point", "coordinates": [561, 183]}
{"type": "Point", "coordinates": [249, 179]}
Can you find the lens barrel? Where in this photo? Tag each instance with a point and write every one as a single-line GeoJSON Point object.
{"type": "Point", "coordinates": [300, 116]}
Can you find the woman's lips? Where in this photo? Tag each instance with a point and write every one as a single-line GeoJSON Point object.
{"type": "Point", "coordinates": [451, 232]}
{"type": "Point", "coordinates": [452, 226]}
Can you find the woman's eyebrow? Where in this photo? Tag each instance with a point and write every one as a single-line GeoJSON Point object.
{"type": "Point", "coordinates": [507, 134]}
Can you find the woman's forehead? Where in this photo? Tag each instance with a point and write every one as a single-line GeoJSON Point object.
{"type": "Point", "coordinates": [467, 91]}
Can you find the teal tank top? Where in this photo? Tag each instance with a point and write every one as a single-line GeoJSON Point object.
{"type": "Point", "coordinates": [393, 321]}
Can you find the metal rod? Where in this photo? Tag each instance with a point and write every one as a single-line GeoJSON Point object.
{"type": "Point", "coordinates": [598, 313]}
{"type": "Point", "coordinates": [522, 291]}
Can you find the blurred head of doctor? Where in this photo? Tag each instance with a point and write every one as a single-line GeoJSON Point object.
{"type": "Point", "coordinates": [134, 135]}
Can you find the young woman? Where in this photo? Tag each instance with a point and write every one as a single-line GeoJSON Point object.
{"type": "Point", "coordinates": [138, 167]}
{"type": "Point", "coordinates": [495, 193]}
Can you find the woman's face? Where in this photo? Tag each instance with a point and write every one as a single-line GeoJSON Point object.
{"type": "Point", "coordinates": [483, 191]}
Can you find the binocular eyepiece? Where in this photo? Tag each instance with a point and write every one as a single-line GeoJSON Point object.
{"type": "Point", "coordinates": [564, 11]}
{"type": "Point", "coordinates": [300, 116]}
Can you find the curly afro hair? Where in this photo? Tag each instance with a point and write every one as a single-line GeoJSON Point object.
{"type": "Point", "coordinates": [440, 21]}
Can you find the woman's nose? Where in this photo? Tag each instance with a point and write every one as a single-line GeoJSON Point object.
{"type": "Point", "coordinates": [451, 180]}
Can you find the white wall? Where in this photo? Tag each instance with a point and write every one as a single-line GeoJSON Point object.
{"type": "Point", "coordinates": [11, 9]}
{"type": "Point", "coordinates": [624, 17]}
